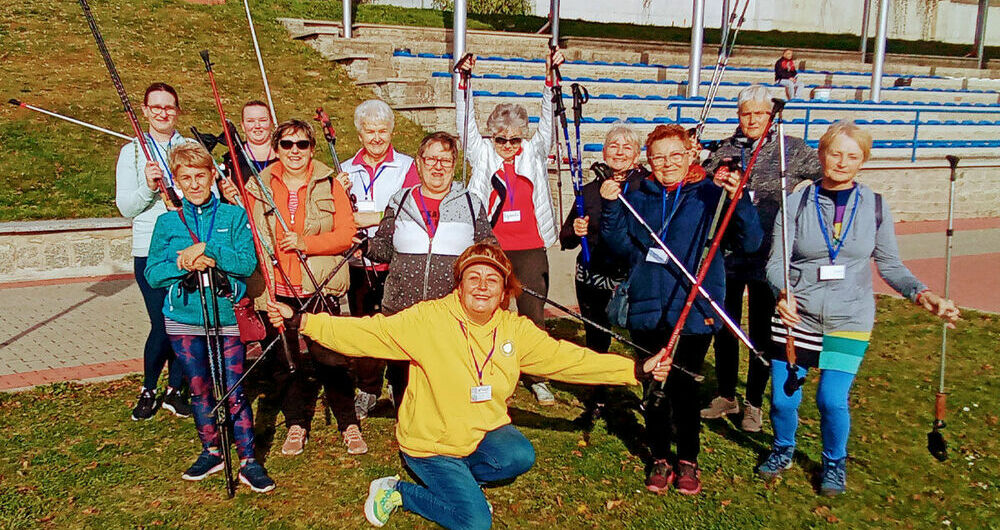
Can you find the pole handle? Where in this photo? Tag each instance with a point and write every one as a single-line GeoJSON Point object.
{"type": "Point", "coordinates": [208, 62]}
{"type": "Point", "coordinates": [952, 161]}
{"type": "Point", "coordinates": [939, 407]}
{"type": "Point", "coordinates": [15, 102]}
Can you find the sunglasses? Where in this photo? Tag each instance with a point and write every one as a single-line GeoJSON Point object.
{"type": "Point", "coordinates": [500, 140]}
{"type": "Point", "coordinates": [301, 144]}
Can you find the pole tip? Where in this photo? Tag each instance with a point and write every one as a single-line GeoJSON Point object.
{"type": "Point", "coordinates": [204, 57]}
{"type": "Point", "coordinates": [952, 160]}
{"type": "Point", "coordinates": [14, 102]}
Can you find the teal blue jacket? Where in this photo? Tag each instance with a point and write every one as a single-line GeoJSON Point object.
{"type": "Point", "coordinates": [226, 232]}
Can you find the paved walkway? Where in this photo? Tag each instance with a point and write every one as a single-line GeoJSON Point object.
{"type": "Point", "coordinates": [92, 329]}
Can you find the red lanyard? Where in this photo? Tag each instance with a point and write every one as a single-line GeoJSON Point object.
{"type": "Point", "coordinates": [479, 371]}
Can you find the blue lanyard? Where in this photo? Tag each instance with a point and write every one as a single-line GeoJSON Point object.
{"type": "Point", "coordinates": [664, 218]}
{"type": "Point", "coordinates": [432, 228]}
{"type": "Point", "coordinates": [211, 225]}
{"type": "Point", "coordinates": [371, 183]}
{"type": "Point", "coordinates": [259, 165]}
{"type": "Point", "coordinates": [162, 158]}
{"type": "Point", "coordinates": [843, 233]}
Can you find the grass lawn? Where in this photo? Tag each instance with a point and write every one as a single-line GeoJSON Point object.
{"type": "Point", "coordinates": [71, 457]}
{"type": "Point", "coordinates": [50, 169]}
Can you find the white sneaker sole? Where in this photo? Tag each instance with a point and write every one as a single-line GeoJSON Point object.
{"type": "Point", "coordinates": [215, 469]}
{"type": "Point", "coordinates": [370, 507]}
{"type": "Point", "coordinates": [169, 407]}
{"type": "Point", "coordinates": [243, 480]}
{"type": "Point", "coordinates": [299, 452]}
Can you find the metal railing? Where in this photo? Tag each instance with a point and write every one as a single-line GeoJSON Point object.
{"type": "Point", "coordinates": [809, 108]}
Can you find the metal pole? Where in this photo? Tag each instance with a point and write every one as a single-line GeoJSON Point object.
{"type": "Point", "coordinates": [879, 60]}
{"type": "Point", "coordinates": [458, 45]}
{"type": "Point", "coordinates": [554, 21]}
{"type": "Point", "coordinates": [260, 62]}
{"type": "Point", "coordinates": [724, 27]}
{"type": "Point", "coordinates": [697, 32]}
{"type": "Point", "coordinates": [866, 15]}
{"type": "Point", "coordinates": [984, 8]}
{"type": "Point", "coordinates": [347, 19]}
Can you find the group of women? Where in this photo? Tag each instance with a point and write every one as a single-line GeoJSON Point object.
{"type": "Point", "coordinates": [439, 262]}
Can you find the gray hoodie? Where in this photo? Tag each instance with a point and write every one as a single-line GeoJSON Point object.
{"type": "Point", "coordinates": [839, 305]}
{"type": "Point", "coordinates": [420, 266]}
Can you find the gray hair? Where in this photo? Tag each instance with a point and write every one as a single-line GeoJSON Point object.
{"type": "Point", "coordinates": [625, 132]}
{"type": "Point", "coordinates": [754, 93]}
{"type": "Point", "coordinates": [507, 117]}
{"type": "Point", "coordinates": [374, 110]}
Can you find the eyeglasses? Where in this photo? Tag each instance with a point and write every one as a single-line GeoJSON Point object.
{"type": "Point", "coordinates": [431, 161]}
{"type": "Point", "coordinates": [158, 109]}
{"type": "Point", "coordinates": [674, 158]}
{"type": "Point", "coordinates": [301, 144]}
{"type": "Point", "coordinates": [500, 140]}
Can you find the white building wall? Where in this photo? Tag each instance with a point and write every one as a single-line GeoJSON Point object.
{"type": "Point", "coordinates": [952, 21]}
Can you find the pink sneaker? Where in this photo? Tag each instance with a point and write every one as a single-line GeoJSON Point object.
{"type": "Point", "coordinates": [688, 478]}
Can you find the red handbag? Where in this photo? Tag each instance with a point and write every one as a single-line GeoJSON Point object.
{"type": "Point", "coordinates": [251, 326]}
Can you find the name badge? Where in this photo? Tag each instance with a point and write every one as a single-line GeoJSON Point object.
{"type": "Point", "coordinates": [366, 206]}
{"type": "Point", "coordinates": [512, 216]}
{"type": "Point", "coordinates": [657, 255]}
{"type": "Point", "coordinates": [832, 272]}
{"type": "Point", "coordinates": [481, 393]}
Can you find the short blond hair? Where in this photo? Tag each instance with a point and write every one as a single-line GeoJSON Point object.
{"type": "Point", "coordinates": [851, 130]}
{"type": "Point", "coordinates": [190, 154]}
{"type": "Point", "coordinates": [625, 133]}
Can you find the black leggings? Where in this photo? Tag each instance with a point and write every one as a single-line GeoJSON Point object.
{"type": "Point", "coordinates": [158, 351]}
{"type": "Point", "coordinates": [364, 297]}
{"type": "Point", "coordinates": [727, 347]}
{"type": "Point", "coordinates": [531, 267]}
{"type": "Point", "coordinates": [680, 410]}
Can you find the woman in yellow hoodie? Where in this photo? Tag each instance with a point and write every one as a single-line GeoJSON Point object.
{"type": "Point", "coordinates": [466, 355]}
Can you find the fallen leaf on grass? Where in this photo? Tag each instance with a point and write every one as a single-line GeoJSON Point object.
{"type": "Point", "coordinates": [559, 501]}
{"type": "Point", "coordinates": [612, 504]}
{"type": "Point", "coordinates": [583, 508]}
{"type": "Point", "coordinates": [91, 466]}
{"type": "Point", "coordinates": [91, 511]}
{"type": "Point", "coordinates": [726, 502]}
{"type": "Point", "coordinates": [578, 453]}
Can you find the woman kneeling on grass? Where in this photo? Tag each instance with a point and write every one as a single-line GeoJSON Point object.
{"type": "Point", "coordinates": [835, 227]}
{"type": "Point", "coordinates": [206, 235]}
{"type": "Point", "coordinates": [466, 355]}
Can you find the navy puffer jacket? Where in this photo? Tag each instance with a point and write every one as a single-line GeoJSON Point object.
{"type": "Point", "coordinates": [657, 291]}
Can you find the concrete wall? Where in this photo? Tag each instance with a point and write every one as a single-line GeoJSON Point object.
{"type": "Point", "coordinates": [951, 21]}
{"type": "Point", "coordinates": [41, 250]}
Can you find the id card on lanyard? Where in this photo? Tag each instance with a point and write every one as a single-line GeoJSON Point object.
{"type": "Point", "coordinates": [833, 271]}
{"type": "Point", "coordinates": [655, 253]}
{"type": "Point", "coordinates": [479, 393]}
{"type": "Point", "coordinates": [512, 215]}
{"type": "Point", "coordinates": [367, 204]}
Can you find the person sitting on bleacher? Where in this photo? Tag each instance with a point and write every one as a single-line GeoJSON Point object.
{"type": "Point", "coordinates": [745, 271]}
{"type": "Point", "coordinates": [510, 176]}
{"type": "Point", "coordinates": [787, 76]}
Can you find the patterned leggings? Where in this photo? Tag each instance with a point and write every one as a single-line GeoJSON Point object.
{"type": "Point", "coordinates": [192, 353]}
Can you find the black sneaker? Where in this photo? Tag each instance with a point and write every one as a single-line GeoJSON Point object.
{"type": "Point", "coordinates": [206, 464]}
{"type": "Point", "coordinates": [174, 402]}
{"type": "Point", "coordinates": [145, 407]}
{"type": "Point", "coordinates": [254, 475]}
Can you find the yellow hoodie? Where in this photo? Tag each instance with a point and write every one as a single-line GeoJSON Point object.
{"type": "Point", "coordinates": [437, 416]}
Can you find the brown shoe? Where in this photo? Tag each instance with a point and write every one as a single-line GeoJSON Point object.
{"type": "Point", "coordinates": [752, 418]}
{"type": "Point", "coordinates": [355, 443]}
{"type": "Point", "coordinates": [295, 442]}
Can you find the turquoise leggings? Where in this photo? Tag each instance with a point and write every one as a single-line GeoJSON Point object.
{"type": "Point", "coordinates": [831, 399]}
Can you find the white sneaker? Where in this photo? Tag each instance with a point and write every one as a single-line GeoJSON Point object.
{"type": "Point", "coordinates": [543, 394]}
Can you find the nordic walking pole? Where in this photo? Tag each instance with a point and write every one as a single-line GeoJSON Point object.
{"type": "Point", "coordinates": [792, 382]}
{"type": "Point", "coordinates": [609, 331]}
{"type": "Point", "coordinates": [330, 134]}
{"type": "Point", "coordinates": [657, 391]}
{"type": "Point", "coordinates": [260, 62]}
{"type": "Point", "coordinates": [580, 96]}
{"type": "Point", "coordinates": [696, 287]}
{"type": "Point", "coordinates": [168, 195]}
{"type": "Point", "coordinates": [575, 166]}
{"type": "Point", "coordinates": [268, 286]}
{"type": "Point", "coordinates": [218, 372]}
{"type": "Point", "coordinates": [23, 105]}
{"type": "Point", "coordinates": [725, 52]}
{"type": "Point", "coordinates": [465, 84]}
{"type": "Point", "coordinates": [310, 302]}
{"type": "Point", "coordinates": [935, 440]}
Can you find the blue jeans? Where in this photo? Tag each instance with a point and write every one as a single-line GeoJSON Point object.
{"type": "Point", "coordinates": [451, 495]}
{"type": "Point", "coordinates": [831, 399]}
{"type": "Point", "coordinates": [158, 350]}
